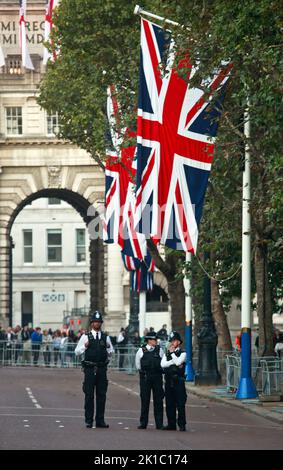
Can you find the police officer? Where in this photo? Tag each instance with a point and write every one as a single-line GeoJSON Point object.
{"type": "Point", "coordinates": [97, 348]}
{"type": "Point", "coordinates": [173, 363]}
{"type": "Point", "coordinates": [148, 359]}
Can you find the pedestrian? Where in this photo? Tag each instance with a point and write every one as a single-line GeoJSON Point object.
{"type": "Point", "coordinates": [148, 360]}
{"type": "Point", "coordinates": [277, 337]}
{"type": "Point", "coordinates": [97, 348]}
{"type": "Point", "coordinates": [56, 345]}
{"type": "Point", "coordinates": [238, 341]}
{"type": "Point", "coordinates": [136, 341]}
{"type": "Point", "coordinates": [162, 333]}
{"type": "Point", "coordinates": [279, 348]}
{"type": "Point", "coordinates": [36, 340]}
{"type": "Point", "coordinates": [145, 332]}
{"type": "Point", "coordinates": [46, 347]}
{"type": "Point", "coordinates": [26, 340]}
{"type": "Point", "coordinates": [10, 337]}
{"type": "Point", "coordinates": [173, 363]}
{"type": "Point", "coordinates": [122, 341]}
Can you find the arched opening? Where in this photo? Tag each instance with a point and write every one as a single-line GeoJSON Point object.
{"type": "Point", "coordinates": [157, 300]}
{"type": "Point", "coordinates": [55, 253]}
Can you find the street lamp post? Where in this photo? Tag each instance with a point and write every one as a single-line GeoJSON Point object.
{"type": "Point", "coordinates": [134, 312]}
{"type": "Point", "coordinates": [207, 373]}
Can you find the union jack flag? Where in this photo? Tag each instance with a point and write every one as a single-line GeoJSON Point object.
{"type": "Point", "coordinates": [141, 272]}
{"type": "Point", "coordinates": [50, 5]}
{"type": "Point", "coordinates": [175, 135]}
{"type": "Point", "coordinates": [26, 60]}
{"type": "Point", "coordinates": [120, 189]}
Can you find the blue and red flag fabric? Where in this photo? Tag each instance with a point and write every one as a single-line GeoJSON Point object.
{"type": "Point", "coordinates": [141, 272]}
{"type": "Point", "coordinates": [175, 143]}
{"type": "Point", "coordinates": [26, 60]}
{"type": "Point", "coordinates": [120, 176]}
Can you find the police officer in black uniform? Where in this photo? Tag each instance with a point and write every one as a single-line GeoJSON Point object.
{"type": "Point", "coordinates": [97, 348]}
{"type": "Point", "coordinates": [148, 359]}
{"type": "Point", "coordinates": [173, 363]}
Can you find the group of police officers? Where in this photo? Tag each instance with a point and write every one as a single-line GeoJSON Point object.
{"type": "Point", "coordinates": [151, 362]}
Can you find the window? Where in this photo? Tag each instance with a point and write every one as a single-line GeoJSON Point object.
{"type": "Point", "coordinates": [53, 200]}
{"type": "Point", "coordinates": [27, 246]}
{"type": "Point", "coordinates": [14, 121]}
{"type": "Point", "coordinates": [52, 124]}
{"type": "Point", "coordinates": [54, 246]}
{"type": "Point", "coordinates": [80, 235]}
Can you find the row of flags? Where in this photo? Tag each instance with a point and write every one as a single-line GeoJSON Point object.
{"type": "Point", "coordinates": [171, 161]}
{"type": "Point", "coordinates": [26, 59]}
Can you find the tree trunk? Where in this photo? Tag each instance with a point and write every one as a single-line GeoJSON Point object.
{"type": "Point", "coordinates": [264, 303]}
{"type": "Point", "coordinates": [176, 293]}
{"type": "Point", "coordinates": [220, 319]}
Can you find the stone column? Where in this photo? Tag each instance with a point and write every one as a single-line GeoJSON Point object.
{"type": "Point", "coordinates": [4, 277]}
{"type": "Point", "coordinates": [115, 290]}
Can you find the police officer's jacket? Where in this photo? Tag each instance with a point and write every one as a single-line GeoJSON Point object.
{"type": "Point", "coordinates": [98, 349]}
{"type": "Point", "coordinates": [174, 363]}
{"type": "Point", "coordinates": [148, 359]}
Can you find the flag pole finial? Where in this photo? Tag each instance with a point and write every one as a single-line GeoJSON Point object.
{"type": "Point", "coordinates": [137, 10]}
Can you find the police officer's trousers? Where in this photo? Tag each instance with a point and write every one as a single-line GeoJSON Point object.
{"type": "Point", "coordinates": [148, 383]}
{"type": "Point", "coordinates": [175, 397]}
{"type": "Point", "coordinates": [99, 382]}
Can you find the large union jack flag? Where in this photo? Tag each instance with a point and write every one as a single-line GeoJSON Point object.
{"type": "Point", "coordinates": [120, 175]}
{"type": "Point", "coordinates": [175, 135]}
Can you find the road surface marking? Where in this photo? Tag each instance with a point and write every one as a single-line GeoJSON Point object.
{"type": "Point", "coordinates": [30, 394]}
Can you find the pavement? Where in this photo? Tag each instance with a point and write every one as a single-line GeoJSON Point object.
{"type": "Point", "coordinates": [270, 410]}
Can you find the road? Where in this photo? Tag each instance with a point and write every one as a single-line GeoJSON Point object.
{"type": "Point", "coordinates": [43, 409]}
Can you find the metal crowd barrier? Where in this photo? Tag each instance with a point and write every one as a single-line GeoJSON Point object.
{"type": "Point", "coordinates": [272, 376]}
{"type": "Point", "coordinates": [19, 354]}
{"type": "Point", "coordinates": [267, 373]}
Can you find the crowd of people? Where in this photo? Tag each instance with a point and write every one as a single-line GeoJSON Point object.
{"type": "Point", "coordinates": [277, 340]}
{"type": "Point", "coordinates": [25, 345]}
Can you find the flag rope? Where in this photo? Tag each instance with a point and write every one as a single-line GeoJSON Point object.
{"type": "Point", "coordinates": [214, 278]}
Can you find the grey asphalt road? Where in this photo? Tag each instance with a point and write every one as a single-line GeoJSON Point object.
{"type": "Point", "coordinates": [43, 409]}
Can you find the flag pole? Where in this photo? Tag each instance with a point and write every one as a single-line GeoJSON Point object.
{"type": "Point", "coordinates": [190, 373]}
{"type": "Point", "coordinates": [246, 387]}
{"type": "Point", "coordinates": [139, 11]}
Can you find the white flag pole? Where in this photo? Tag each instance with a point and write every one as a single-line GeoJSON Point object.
{"type": "Point", "coordinates": [139, 11]}
{"type": "Point", "coordinates": [246, 387]}
{"type": "Point", "coordinates": [190, 373]}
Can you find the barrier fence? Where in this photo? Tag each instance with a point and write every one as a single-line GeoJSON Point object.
{"type": "Point", "coordinates": [28, 354]}
{"type": "Point", "coordinates": [267, 373]}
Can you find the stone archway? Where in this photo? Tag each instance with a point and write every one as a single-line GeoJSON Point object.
{"type": "Point", "coordinates": [80, 187]}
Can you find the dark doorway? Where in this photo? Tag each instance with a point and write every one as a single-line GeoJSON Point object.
{"type": "Point", "coordinates": [27, 309]}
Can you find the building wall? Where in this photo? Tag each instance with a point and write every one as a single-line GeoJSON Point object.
{"type": "Point", "coordinates": [57, 287]}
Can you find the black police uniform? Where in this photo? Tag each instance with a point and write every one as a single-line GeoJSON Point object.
{"type": "Point", "coordinates": [175, 393]}
{"type": "Point", "coordinates": [95, 370]}
{"type": "Point", "coordinates": [151, 380]}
